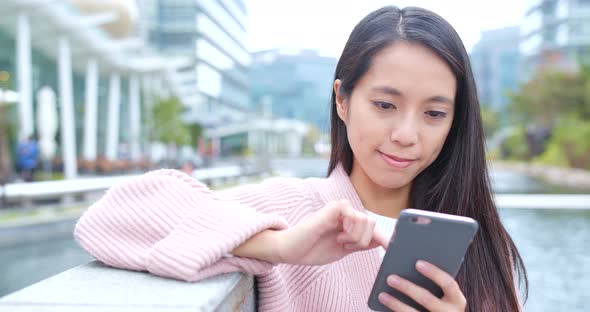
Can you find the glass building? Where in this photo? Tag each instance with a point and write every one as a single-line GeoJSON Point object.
{"type": "Point", "coordinates": [555, 33]}
{"type": "Point", "coordinates": [293, 86]}
{"type": "Point", "coordinates": [212, 34]}
{"type": "Point", "coordinates": [496, 66]}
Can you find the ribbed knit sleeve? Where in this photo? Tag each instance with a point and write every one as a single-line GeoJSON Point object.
{"type": "Point", "coordinates": [171, 225]}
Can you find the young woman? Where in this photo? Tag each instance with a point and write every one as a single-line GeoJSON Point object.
{"type": "Point", "coordinates": [406, 132]}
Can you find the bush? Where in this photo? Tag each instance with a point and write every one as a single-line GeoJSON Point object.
{"type": "Point", "coordinates": [569, 144]}
{"type": "Point", "coordinates": [515, 146]}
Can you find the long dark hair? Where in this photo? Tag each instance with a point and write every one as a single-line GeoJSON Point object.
{"type": "Point", "coordinates": [457, 182]}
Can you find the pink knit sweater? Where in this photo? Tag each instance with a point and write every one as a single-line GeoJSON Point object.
{"type": "Point", "coordinates": [171, 225]}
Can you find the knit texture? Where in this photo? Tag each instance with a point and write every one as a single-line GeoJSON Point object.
{"type": "Point", "coordinates": [171, 225]}
{"type": "Point", "coordinates": [384, 225]}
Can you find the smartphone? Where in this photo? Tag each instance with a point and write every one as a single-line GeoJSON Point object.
{"type": "Point", "coordinates": [441, 239]}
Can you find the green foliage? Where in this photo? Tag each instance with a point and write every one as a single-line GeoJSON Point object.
{"type": "Point", "coordinates": [195, 132]}
{"type": "Point", "coordinates": [515, 146]}
{"type": "Point", "coordinates": [490, 120]}
{"type": "Point", "coordinates": [49, 176]}
{"type": "Point", "coordinates": [552, 94]}
{"type": "Point", "coordinates": [552, 156]}
{"type": "Point", "coordinates": [247, 152]}
{"type": "Point", "coordinates": [493, 154]}
{"type": "Point", "coordinates": [166, 124]}
{"type": "Point", "coordinates": [309, 141]}
{"type": "Point", "coordinates": [557, 100]}
{"type": "Point", "coordinates": [8, 129]}
{"type": "Point", "coordinates": [569, 144]}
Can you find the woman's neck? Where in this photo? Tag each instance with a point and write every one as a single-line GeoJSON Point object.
{"type": "Point", "coordinates": [379, 200]}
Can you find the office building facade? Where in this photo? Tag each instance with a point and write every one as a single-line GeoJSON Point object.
{"type": "Point", "coordinates": [212, 33]}
{"type": "Point", "coordinates": [555, 34]}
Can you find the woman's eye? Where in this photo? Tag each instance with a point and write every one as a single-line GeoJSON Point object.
{"type": "Point", "coordinates": [436, 114]}
{"type": "Point", "coordinates": [383, 105]}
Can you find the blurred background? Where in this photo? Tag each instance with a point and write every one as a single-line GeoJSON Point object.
{"type": "Point", "coordinates": [232, 91]}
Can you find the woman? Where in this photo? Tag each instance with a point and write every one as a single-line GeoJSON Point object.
{"type": "Point", "coordinates": [406, 132]}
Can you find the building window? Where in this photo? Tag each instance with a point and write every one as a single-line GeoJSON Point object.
{"type": "Point", "coordinates": [173, 40]}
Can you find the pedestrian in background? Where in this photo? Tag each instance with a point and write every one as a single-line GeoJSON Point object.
{"type": "Point", "coordinates": [27, 158]}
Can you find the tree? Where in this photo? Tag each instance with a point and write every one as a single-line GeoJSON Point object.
{"type": "Point", "coordinates": [558, 103]}
{"type": "Point", "coordinates": [551, 94]}
{"type": "Point", "coordinates": [311, 138]}
{"type": "Point", "coordinates": [490, 120]}
{"type": "Point", "coordinates": [514, 146]}
{"type": "Point", "coordinates": [166, 124]}
{"type": "Point", "coordinates": [5, 162]}
{"type": "Point", "coordinates": [7, 127]}
{"type": "Point", "coordinates": [569, 144]}
{"type": "Point", "coordinates": [195, 132]}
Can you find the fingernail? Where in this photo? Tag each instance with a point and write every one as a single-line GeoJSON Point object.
{"type": "Point", "coordinates": [393, 280]}
{"type": "Point", "coordinates": [383, 298]}
{"type": "Point", "coordinates": [421, 265]}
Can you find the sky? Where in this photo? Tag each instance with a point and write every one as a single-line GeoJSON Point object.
{"type": "Point", "coordinates": [325, 25]}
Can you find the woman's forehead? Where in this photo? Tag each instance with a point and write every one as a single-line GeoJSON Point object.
{"type": "Point", "coordinates": [408, 67]}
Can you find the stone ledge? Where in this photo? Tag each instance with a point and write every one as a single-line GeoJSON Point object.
{"type": "Point", "coordinates": [96, 287]}
{"type": "Point", "coordinates": [570, 177]}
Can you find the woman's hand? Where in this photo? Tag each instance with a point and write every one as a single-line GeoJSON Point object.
{"type": "Point", "coordinates": [452, 300]}
{"type": "Point", "coordinates": [328, 235]}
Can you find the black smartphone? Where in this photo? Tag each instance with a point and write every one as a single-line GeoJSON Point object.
{"type": "Point", "coordinates": [441, 239]}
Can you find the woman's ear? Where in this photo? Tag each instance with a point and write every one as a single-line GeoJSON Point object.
{"type": "Point", "coordinates": [341, 101]}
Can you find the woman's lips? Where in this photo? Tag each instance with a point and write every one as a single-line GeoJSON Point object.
{"type": "Point", "coordinates": [396, 162]}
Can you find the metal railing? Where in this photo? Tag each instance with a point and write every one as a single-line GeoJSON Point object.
{"type": "Point", "coordinates": [23, 194]}
{"type": "Point", "coordinates": [543, 201]}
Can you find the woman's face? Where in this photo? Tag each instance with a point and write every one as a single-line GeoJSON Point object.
{"type": "Point", "coordinates": [399, 113]}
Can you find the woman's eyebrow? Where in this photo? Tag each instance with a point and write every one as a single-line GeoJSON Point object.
{"type": "Point", "coordinates": [441, 99]}
{"type": "Point", "coordinates": [393, 91]}
{"type": "Point", "coordinates": [387, 90]}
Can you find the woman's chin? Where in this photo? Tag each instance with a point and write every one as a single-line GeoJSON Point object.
{"type": "Point", "coordinates": [391, 180]}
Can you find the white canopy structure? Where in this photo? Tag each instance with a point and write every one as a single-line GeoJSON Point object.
{"type": "Point", "coordinates": [94, 38]}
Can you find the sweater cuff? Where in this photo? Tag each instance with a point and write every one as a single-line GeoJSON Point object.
{"type": "Point", "coordinates": [190, 251]}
